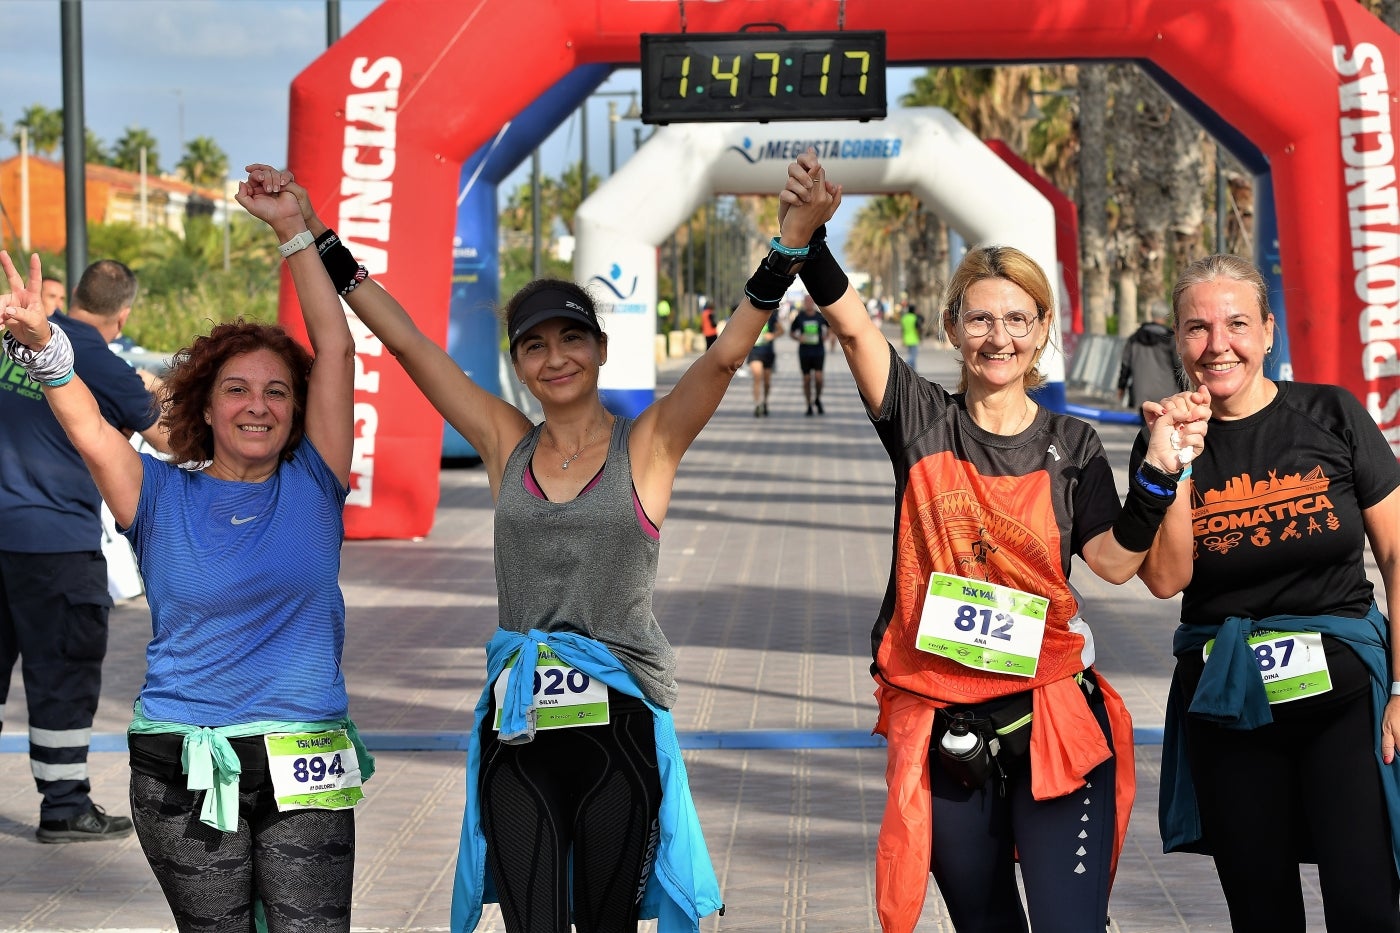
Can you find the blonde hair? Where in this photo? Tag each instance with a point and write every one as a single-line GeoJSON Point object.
{"type": "Point", "coordinates": [1000, 262]}
{"type": "Point", "coordinates": [1221, 266]}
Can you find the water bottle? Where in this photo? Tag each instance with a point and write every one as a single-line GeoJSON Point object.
{"type": "Point", "coordinates": [959, 741]}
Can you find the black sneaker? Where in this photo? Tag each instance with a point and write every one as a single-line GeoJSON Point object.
{"type": "Point", "coordinates": [92, 826]}
{"type": "Point", "coordinates": [820, 409]}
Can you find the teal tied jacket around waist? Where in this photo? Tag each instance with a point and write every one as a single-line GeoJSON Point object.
{"type": "Point", "coordinates": [682, 887]}
{"type": "Point", "coordinates": [1231, 694]}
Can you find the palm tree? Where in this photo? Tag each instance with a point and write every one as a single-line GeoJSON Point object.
{"type": "Point", "coordinates": [1093, 197]}
{"type": "Point", "coordinates": [94, 149]}
{"type": "Point", "coordinates": [128, 152]}
{"type": "Point", "coordinates": [204, 163]}
{"type": "Point", "coordinates": [45, 128]}
{"type": "Point", "coordinates": [878, 240]}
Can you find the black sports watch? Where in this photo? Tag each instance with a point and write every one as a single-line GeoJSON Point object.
{"type": "Point", "coordinates": [784, 263]}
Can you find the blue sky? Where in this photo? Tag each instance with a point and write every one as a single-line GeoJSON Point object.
{"type": "Point", "coordinates": [222, 68]}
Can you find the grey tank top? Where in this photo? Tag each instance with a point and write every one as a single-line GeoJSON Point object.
{"type": "Point", "coordinates": [583, 566]}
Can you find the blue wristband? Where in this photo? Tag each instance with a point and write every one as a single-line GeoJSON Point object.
{"type": "Point", "coordinates": [61, 380]}
{"type": "Point", "coordinates": [1186, 473]}
{"type": "Point", "coordinates": [777, 244]}
{"type": "Point", "coordinates": [1161, 492]}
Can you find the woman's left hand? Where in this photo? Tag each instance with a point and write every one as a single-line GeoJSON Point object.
{"type": "Point", "coordinates": [1390, 730]}
{"type": "Point", "coordinates": [21, 311]}
{"type": "Point", "coordinates": [808, 200]}
{"type": "Point", "coordinates": [266, 196]}
{"type": "Point", "coordinates": [1177, 429]}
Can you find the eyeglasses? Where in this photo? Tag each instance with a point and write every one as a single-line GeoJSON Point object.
{"type": "Point", "coordinates": [1017, 323]}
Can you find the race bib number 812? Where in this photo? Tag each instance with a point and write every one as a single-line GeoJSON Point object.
{"type": "Point", "coordinates": [982, 625]}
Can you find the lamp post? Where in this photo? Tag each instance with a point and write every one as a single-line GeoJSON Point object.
{"type": "Point", "coordinates": [633, 112]}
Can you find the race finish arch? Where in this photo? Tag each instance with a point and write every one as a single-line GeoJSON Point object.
{"type": "Point", "coordinates": [922, 150]}
{"type": "Point", "coordinates": [382, 122]}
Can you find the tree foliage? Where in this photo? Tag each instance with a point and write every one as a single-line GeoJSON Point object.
{"type": "Point", "coordinates": [45, 128]}
{"type": "Point", "coordinates": [127, 154]}
{"type": "Point", "coordinates": [204, 163]}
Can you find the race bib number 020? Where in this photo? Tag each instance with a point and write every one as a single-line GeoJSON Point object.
{"type": "Point", "coordinates": [982, 625]}
{"type": "Point", "coordinates": [1293, 665]}
{"type": "Point", "coordinates": [563, 696]}
{"type": "Point", "coordinates": [313, 770]}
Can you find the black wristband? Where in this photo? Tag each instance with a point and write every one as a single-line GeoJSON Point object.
{"type": "Point", "coordinates": [826, 281]}
{"type": "Point", "coordinates": [340, 264]}
{"type": "Point", "coordinates": [766, 288]}
{"type": "Point", "coordinates": [1142, 515]}
{"type": "Point", "coordinates": [1150, 476]}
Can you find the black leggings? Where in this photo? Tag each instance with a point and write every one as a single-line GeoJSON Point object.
{"type": "Point", "coordinates": [595, 790]}
{"type": "Point", "coordinates": [1304, 789]}
{"type": "Point", "coordinates": [300, 864]}
{"type": "Point", "coordinates": [1065, 847]}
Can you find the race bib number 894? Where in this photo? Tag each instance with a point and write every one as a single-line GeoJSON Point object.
{"type": "Point", "coordinates": [313, 770]}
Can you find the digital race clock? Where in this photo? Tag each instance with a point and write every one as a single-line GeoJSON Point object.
{"type": "Point", "coordinates": [762, 76]}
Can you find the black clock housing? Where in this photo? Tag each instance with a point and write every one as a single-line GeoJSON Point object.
{"type": "Point", "coordinates": [763, 76]}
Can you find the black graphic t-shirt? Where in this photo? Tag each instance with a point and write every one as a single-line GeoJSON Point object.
{"type": "Point", "coordinates": [1276, 508]}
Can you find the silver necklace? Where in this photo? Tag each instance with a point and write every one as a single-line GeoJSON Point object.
{"type": "Point", "coordinates": [587, 443]}
{"type": "Point", "coordinates": [1030, 413]}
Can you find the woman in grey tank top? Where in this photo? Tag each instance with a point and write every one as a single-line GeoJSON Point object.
{"type": "Point", "coordinates": [570, 820]}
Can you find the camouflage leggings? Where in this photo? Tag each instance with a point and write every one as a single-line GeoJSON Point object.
{"type": "Point", "coordinates": [300, 864]}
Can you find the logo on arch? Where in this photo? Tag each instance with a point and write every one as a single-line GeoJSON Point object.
{"type": "Point", "coordinates": [614, 283]}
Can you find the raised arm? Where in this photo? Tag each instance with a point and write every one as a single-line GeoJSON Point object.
{"type": "Point", "coordinates": [48, 356]}
{"type": "Point", "coordinates": [670, 425]}
{"type": "Point", "coordinates": [490, 424]}
{"type": "Point", "coordinates": [867, 351]}
{"type": "Point", "coordinates": [330, 395]}
{"type": "Point", "coordinates": [1156, 517]}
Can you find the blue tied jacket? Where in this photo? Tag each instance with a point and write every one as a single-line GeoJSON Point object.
{"type": "Point", "coordinates": [682, 887]}
{"type": "Point", "coordinates": [1231, 693]}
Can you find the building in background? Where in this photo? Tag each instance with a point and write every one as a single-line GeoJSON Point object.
{"type": "Point", "coordinates": [113, 196]}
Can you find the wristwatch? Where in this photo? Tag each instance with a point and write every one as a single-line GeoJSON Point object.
{"type": "Point", "coordinates": [296, 244]}
{"type": "Point", "coordinates": [784, 261]}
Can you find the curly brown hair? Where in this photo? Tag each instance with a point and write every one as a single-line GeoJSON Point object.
{"type": "Point", "coordinates": [190, 381]}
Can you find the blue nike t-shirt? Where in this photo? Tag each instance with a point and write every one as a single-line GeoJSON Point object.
{"type": "Point", "coordinates": [247, 617]}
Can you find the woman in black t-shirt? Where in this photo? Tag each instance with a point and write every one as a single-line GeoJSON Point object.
{"type": "Point", "coordinates": [1283, 712]}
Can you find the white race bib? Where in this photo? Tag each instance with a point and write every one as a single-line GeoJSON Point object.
{"type": "Point", "coordinates": [563, 696]}
{"type": "Point", "coordinates": [1292, 664]}
{"type": "Point", "coordinates": [982, 625]}
{"type": "Point", "coordinates": [313, 770]}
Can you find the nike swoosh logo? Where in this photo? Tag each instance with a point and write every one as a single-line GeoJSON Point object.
{"type": "Point", "coordinates": [235, 520]}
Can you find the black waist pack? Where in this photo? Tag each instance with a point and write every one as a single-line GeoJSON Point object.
{"type": "Point", "coordinates": [1002, 728]}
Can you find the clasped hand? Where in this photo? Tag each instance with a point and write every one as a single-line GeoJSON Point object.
{"type": "Point", "coordinates": [1177, 429]}
{"type": "Point", "coordinates": [808, 200]}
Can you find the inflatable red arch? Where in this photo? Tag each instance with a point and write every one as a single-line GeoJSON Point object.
{"type": "Point", "coordinates": [383, 121]}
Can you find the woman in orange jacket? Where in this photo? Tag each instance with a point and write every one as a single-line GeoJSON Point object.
{"type": "Point", "coordinates": [1004, 743]}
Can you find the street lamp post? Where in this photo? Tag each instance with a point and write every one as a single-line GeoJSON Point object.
{"type": "Point", "coordinates": [633, 112]}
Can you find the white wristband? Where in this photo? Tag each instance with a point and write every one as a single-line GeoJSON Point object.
{"type": "Point", "coordinates": [1395, 688]}
{"type": "Point", "coordinates": [296, 244]}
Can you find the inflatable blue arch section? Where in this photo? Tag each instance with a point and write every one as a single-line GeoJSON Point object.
{"type": "Point", "coordinates": [473, 337]}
